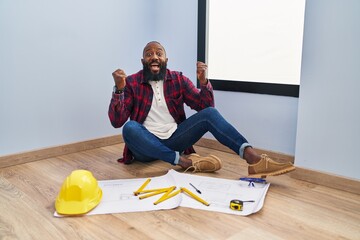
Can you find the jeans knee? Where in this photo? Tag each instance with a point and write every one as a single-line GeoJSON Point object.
{"type": "Point", "coordinates": [130, 127]}
{"type": "Point", "coordinates": [210, 112]}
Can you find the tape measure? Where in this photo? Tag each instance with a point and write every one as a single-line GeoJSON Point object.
{"type": "Point", "coordinates": [236, 205]}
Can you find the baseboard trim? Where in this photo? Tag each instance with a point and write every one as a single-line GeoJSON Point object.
{"type": "Point", "coordinates": [326, 179]}
{"type": "Point", "coordinates": [35, 155]}
{"type": "Point", "coordinates": [320, 178]}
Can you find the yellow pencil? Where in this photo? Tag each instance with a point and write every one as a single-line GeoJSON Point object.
{"type": "Point", "coordinates": [142, 186]}
{"type": "Point", "coordinates": [168, 196]}
{"type": "Point", "coordinates": [150, 190]}
{"type": "Point", "coordinates": [153, 193]}
{"type": "Point", "coordinates": [165, 194]}
{"type": "Point", "coordinates": [195, 196]}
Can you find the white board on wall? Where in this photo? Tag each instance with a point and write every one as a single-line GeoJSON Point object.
{"type": "Point", "coordinates": [255, 41]}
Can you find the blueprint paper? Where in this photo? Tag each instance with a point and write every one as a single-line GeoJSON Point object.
{"type": "Point", "coordinates": [219, 192]}
{"type": "Point", "coordinates": [118, 195]}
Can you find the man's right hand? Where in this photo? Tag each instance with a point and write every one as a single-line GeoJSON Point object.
{"type": "Point", "coordinates": [119, 78]}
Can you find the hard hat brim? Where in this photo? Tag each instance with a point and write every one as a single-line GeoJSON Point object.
{"type": "Point", "coordinates": [77, 207]}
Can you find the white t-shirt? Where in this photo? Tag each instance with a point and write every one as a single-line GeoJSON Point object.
{"type": "Point", "coordinates": [159, 120]}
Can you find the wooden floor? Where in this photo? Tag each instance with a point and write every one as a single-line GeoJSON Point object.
{"type": "Point", "coordinates": [293, 209]}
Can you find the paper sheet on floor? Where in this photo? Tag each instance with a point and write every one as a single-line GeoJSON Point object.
{"type": "Point", "coordinates": [118, 195]}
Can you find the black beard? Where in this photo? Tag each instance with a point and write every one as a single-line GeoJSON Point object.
{"type": "Point", "coordinates": [149, 76]}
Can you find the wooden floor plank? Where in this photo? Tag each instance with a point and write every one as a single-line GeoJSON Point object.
{"type": "Point", "coordinates": [293, 209]}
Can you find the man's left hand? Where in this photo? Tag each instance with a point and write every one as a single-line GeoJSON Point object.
{"type": "Point", "coordinates": [201, 69]}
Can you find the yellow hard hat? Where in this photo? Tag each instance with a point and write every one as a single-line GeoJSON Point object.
{"type": "Point", "coordinates": [79, 194]}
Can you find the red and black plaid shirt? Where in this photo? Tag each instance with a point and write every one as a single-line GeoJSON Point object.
{"type": "Point", "coordinates": [136, 101]}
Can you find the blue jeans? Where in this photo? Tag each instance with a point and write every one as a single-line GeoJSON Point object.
{"type": "Point", "coordinates": [146, 147]}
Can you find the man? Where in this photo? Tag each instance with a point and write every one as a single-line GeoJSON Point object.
{"type": "Point", "coordinates": [154, 100]}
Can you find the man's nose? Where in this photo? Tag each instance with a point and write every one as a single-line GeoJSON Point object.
{"type": "Point", "coordinates": [154, 56]}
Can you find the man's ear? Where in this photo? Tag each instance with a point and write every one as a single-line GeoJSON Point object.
{"type": "Point", "coordinates": [142, 61]}
{"type": "Point", "coordinates": [166, 60]}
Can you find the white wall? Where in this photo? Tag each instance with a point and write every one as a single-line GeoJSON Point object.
{"type": "Point", "coordinates": [56, 60]}
{"type": "Point", "coordinates": [329, 107]}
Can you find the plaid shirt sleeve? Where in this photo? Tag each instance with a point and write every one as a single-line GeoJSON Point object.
{"type": "Point", "coordinates": [179, 90]}
{"type": "Point", "coordinates": [196, 99]}
{"type": "Point", "coordinates": [133, 103]}
{"type": "Point", "coordinates": [118, 113]}
{"type": "Point", "coordinates": [120, 108]}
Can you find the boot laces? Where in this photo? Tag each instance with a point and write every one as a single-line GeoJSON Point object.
{"type": "Point", "coordinates": [266, 159]}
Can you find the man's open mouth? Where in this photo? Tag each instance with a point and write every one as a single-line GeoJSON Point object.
{"type": "Point", "coordinates": [155, 67]}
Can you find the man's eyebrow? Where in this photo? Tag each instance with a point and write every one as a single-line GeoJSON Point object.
{"type": "Point", "coordinates": [147, 49]}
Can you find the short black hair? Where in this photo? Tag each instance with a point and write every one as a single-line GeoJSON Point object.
{"type": "Point", "coordinates": [154, 42]}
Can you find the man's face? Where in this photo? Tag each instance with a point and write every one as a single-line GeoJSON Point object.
{"type": "Point", "coordinates": [154, 61]}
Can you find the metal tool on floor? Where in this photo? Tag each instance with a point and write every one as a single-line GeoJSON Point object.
{"type": "Point", "coordinates": [237, 204]}
{"type": "Point", "coordinates": [253, 180]}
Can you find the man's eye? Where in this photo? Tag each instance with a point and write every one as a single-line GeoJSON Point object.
{"type": "Point", "coordinates": [150, 54]}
